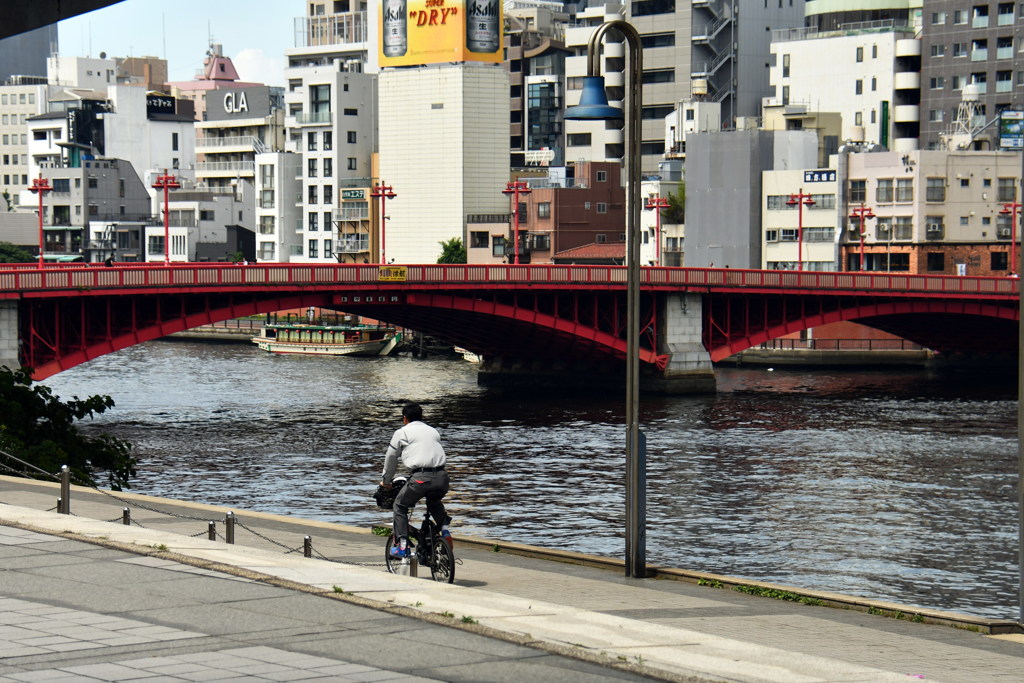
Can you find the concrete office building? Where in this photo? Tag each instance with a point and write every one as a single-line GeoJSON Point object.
{"type": "Point", "coordinates": [25, 54]}
{"type": "Point", "coordinates": [724, 202]}
{"type": "Point", "coordinates": [278, 216]}
{"type": "Point", "coordinates": [975, 43]}
{"type": "Point", "coordinates": [18, 103]}
{"type": "Point", "coordinates": [785, 244]}
{"type": "Point", "coordinates": [239, 124]}
{"type": "Point", "coordinates": [871, 78]}
{"type": "Point", "coordinates": [443, 147]}
{"type": "Point", "coordinates": [206, 225]}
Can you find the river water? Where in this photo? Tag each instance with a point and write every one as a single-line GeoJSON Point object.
{"type": "Point", "coordinates": [894, 484]}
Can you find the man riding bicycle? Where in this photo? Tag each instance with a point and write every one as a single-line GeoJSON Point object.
{"type": "Point", "coordinates": [419, 446]}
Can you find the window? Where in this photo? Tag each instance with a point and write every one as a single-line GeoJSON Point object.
{"type": "Point", "coordinates": [823, 201]}
{"type": "Point", "coordinates": [938, 50]}
{"type": "Point", "coordinates": [313, 194]}
{"type": "Point", "coordinates": [1007, 190]}
{"type": "Point", "coordinates": [935, 115]}
{"type": "Point", "coordinates": [61, 185]}
{"type": "Point", "coordinates": [266, 225]}
{"type": "Point", "coordinates": [311, 142]}
{"type": "Point", "coordinates": [883, 230]}
{"type": "Point", "coordinates": [543, 209]}
{"type": "Point", "coordinates": [541, 241]}
{"type": "Point", "coordinates": [938, 18]}
{"type": "Point", "coordinates": [207, 215]}
{"type": "Point", "coordinates": [771, 235]}
{"type": "Point", "coordinates": [936, 190]}
{"type": "Point", "coordinates": [313, 249]}
{"type": "Point", "coordinates": [578, 140]}
{"type": "Point", "coordinates": [312, 219]}
{"type": "Point", "coordinates": [328, 141]}
{"type": "Point", "coordinates": [602, 207]}
{"type": "Point", "coordinates": [328, 194]}
{"type": "Point", "coordinates": [328, 249]}
{"type": "Point", "coordinates": [479, 239]}
{"type": "Point", "coordinates": [858, 119]}
{"type": "Point", "coordinates": [328, 167]}
{"type": "Point", "coordinates": [860, 54]}
{"type": "Point", "coordinates": [600, 238]}
{"type": "Point", "coordinates": [960, 16]}
{"type": "Point", "coordinates": [658, 40]}
{"type": "Point", "coordinates": [936, 262]}
{"type": "Point", "coordinates": [320, 99]}
{"type": "Point", "coordinates": [174, 142]}
{"type": "Point", "coordinates": [311, 168]}
{"type": "Point", "coordinates": [788, 235]}
{"type": "Point", "coordinates": [858, 190]}
{"type": "Point", "coordinates": [497, 245]}
{"type": "Point", "coordinates": [858, 87]}
{"type": "Point", "coordinates": [156, 244]}
{"type": "Point", "coordinates": [351, 112]}
{"type": "Point", "coordinates": [785, 66]}
{"type": "Point", "coordinates": [904, 189]}
{"type": "Point", "coordinates": [883, 193]}
{"type": "Point", "coordinates": [904, 228]}
{"type": "Point", "coordinates": [602, 176]}
{"type": "Point", "coordinates": [353, 163]}
{"type": "Point", "coordinates": [959, 49]}
{"type": "Point", "coordinates": [351, 137]}
{"type": "Point", "coordinates": [934, 228]}
{"type": "Point", "coordinates": [819, 234]}
{"type": "Point", "coordinates": [1004, 227]}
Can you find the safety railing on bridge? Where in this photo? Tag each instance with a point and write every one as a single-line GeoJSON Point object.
{"type": "Point", "coordinates": [22, 277]}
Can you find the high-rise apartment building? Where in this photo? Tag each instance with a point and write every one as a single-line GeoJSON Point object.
{"type": "Point", "coordinates": [969, 44]}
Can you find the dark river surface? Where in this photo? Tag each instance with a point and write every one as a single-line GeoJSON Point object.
{"type": "Point", "coordinates": [893, 484]}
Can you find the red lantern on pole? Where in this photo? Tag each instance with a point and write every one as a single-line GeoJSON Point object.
{"type": "Point", "coordinates": [658, 204]}
{"type": "Point", "coordinates": [799, 200]}
{"type": "Point", "coordinates": [862, 212]}
{"type": "Point", "coordinates": [514, 190]}
{"type": "Point", "coordinates": [383, 192]}
{"type": "Point", "coordinates": [40, 187]}
{"type": "Point", "coordinates": [166, 183]}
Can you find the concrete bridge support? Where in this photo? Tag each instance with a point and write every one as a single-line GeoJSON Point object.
{"type": "Point", "coordinates": [680, 335]}
{"type": "Point", "coordinates": [9, 334]}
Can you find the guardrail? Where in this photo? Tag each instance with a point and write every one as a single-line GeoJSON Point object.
{"type": "Point", "coordinates": [787, 344]}
{"type": "Point", "coordinates": [28, 277]}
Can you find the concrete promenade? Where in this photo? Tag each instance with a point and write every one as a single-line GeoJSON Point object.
{"type": "Point", "coordinates": [82, 598]}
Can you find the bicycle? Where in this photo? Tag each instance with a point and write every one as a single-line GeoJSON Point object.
{"type": "Point", "coordinates": [425, 544]}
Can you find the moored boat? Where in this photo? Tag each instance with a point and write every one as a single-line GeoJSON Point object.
{"type": "Point", "coordinates": [328, 340]}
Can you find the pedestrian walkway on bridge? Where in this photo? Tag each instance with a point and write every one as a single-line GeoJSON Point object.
{"type": "Point", "coordinates": [82, 597]}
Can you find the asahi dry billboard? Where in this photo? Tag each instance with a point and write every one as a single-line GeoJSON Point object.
{"type": "Point", "coordinates": [414, 32]}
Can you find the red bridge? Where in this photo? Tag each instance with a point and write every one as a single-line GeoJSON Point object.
{"type": "Point", "coordinates": [534, 321]}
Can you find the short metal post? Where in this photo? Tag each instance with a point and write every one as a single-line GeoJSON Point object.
{"type": "Point", "coordinates": [307, 546]}
{"type": "Point", "coordinates": [229, 527]}
{"type": "Point", "coordinates": [413, 564]}
{"type": "Point", "coordinates": [64, 506]}
{"type": "Point", "coordinates": [126, 517]}
{"type": "Point", "coordinates": [211, 532]}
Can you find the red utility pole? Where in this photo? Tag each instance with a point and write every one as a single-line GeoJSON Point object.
{"type": "Point", "coordinates": [384, 192]}
{"type": "Point", "coordinates": [861, 212]}
{"type": "Point", "coordinates": [659, 204]}
{"type": "Point", "coordinates": [1012, 208]}
{"type": "Point", "coordinates": [166, 183]}
{"type": "Point", "coordinates": [514, 190]}
{"type": "Point", "coordinates": [40, 187]}
{"type": "Point", "coordinates": [800, 200]}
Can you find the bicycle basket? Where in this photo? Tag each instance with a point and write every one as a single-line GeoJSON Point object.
{"type": "Point", "coordinates": [386, 497]}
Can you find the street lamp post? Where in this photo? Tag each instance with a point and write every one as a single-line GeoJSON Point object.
{"type": "Point", "coordinates": [514, 190]}
{"type": "Point", "coordinates": [594, 106]}
{"type": "Point", "coordinates": [382, 192]}
{"type": "Point", "coordinates": [658, 204]}
{"type": "Point", "coordinates": [40, 187]}
{"type": "Point", "coordinates": [166, 183]}
{"type": "Point", "coordinates": [799, 200]}
{"type": "Point", "coordinates": [861, 212]}
{"type": "Point", "coordinates": [1011, 209]}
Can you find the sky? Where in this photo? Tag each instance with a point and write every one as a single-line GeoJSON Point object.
{"type": "Point", "coordinates": [254, 33]}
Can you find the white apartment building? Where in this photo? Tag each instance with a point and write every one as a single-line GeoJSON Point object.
{"type": "Point", "coordinates": [17, 104]}
{"type": "Point", "coordinates": [870, 70]}
{"type": "Point", "coordinates": [279, 216]}
{"type": "Point", "coordinates": [444, 147]}
{"type": "Point", "coordinates": [88, 73]}
{"type": "Point", "coordinates": [330, 122]}
{"type": "Point", "coordinates": [785, 244]}
{"type": "Point", "coordinates": [240, 123]}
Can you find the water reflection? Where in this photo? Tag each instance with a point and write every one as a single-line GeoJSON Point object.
{"type": "Point", "coordinates": [895, 485]}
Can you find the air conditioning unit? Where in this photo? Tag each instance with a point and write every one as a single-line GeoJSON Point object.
{"type": "Point", "coordinates": [1003, 232]}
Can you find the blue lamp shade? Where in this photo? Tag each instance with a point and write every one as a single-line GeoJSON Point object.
{"type": "Point", "coordinates": [593, 104]}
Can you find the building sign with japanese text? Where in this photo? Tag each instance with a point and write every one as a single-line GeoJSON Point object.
{"type": "Point", "coordinates": [823, 176]}
{"type": "Point", "coordinates": [1011, 130]}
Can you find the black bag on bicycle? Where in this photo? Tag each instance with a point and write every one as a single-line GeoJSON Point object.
{"type": "Point", "coordinates": [385, 498]}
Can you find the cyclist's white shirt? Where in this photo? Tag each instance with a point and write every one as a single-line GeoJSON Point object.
{"type": "Point", "coordinates": [418, 444]}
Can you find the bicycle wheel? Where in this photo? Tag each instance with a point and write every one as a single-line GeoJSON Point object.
{"type": "Point", "coordinates": [393, 563]}
{"type": "Point", "coordinates": [442, 561]}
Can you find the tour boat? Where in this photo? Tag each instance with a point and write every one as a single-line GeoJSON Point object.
{"type": "Point", "coordinates": [328, 340]}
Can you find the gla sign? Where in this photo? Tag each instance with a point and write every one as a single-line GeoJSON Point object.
{"type": "Point", "coordinates": [236, 103]}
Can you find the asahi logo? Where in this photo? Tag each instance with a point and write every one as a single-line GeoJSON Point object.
{"type": "Point", "coordinates": [483, 8]}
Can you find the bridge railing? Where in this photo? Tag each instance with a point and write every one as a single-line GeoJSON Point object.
{"type": "Point", "coordinates": [20, 277]}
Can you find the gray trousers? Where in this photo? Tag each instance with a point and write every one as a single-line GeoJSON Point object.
{"type": "Point", "coordinates": [430, 485]}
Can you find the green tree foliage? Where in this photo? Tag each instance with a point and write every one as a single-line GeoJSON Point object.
{"type": "Point", "coordinates": [676, 211]}
{"type": "Point", "coordinates": [12, 254]}
{"type": "Point", "coordinates": [39, 428]}
{"type": "Point", "coordinates": [6, 196]}
{"type": "Point", "coordinates": [452, 251]}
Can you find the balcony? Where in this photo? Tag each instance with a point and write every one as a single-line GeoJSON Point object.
{"type": "Point", "coordinates": [315, 118]}
{"type": "Point", "coordinates": [225, 167]}
{"type": "Point", "coordinates": [979, 55]}
{"type": "Point", "coordinates": [907, 80]}
{"type": "Point", "coordinates": [231, 143]}
{"type": "Point", "coordinates": [352, 244]}
{"type": "Point", "coordinates": [906, 113]}
{"type": "Point", "coordinates": [354, 213]}
{"type": "Point", "coordinates": [908, 47]}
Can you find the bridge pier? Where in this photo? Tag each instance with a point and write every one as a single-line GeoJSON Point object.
{"type": "Point", "coordinates": [9, 334]}
{"type": "Point", "coordinates": [680, 336]}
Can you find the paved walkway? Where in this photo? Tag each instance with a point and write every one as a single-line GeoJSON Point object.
{"type": "Point", "coordinates": [160, 600]}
